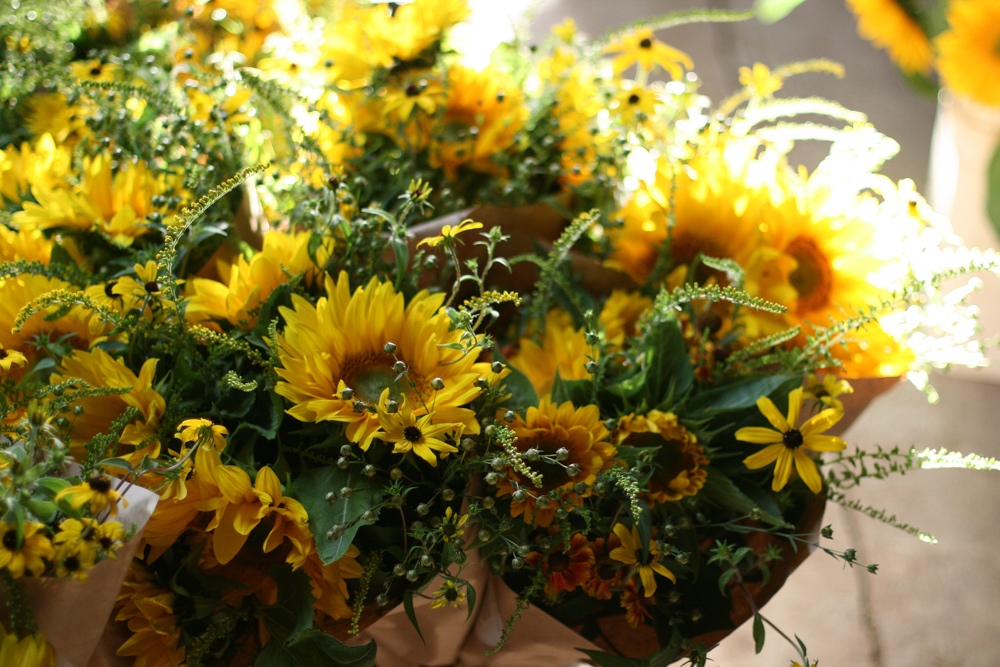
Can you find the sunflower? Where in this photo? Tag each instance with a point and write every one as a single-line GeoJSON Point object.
{"type": "Point", "coordinates": [24, 244]}
{"type": "Point", "coordinates": [11, 358]}
{"type": "Point", "coordinates": [565, 567]}
{"type": "Point", "coordinates": [563, 350]}
{"type": "Point", "coordinates": [71, 560]}
{"type": "Point", "coordinates": [969, 51]}
{"type": "Point", "coordinates": [50, 113]}
{"type": "Point", "coordinates": [99, 369]}
{"type": "Point", "coordinates": [118, 205]}
{"type": "Point", "coordinates": [716, 213]}
{"type": "Point", "coordinates": [423, 93]}
{"type": "Point", "coordinates": [890, 26]}
{"type": "Point", "coordinates": [43, 164]}
{"type": "Point", "coordinates": [75, 326]}
{"type": "Point", "coordinates": [788, 444]}
{"type": "Point", "coordinates": [147, 609]}
{"type": "Point", "coordinates": [573, 437]}
{"type": "Point", "coordinates": [329, 581]}
{"type": "Point", "coordinates": [246, 284]}
{"type": "Point", "coordinates": [25, 549]}
{"type": "Point", "coordinates": [620, 315]}
{"type": "Point", "coordinates": [335, 358]}
{"type": "Point", "coordinates": [483, 114]}
{"type": "Point", "coordinates": [680, 459]}
{"type": "Point", "coordinates": [606, 573]}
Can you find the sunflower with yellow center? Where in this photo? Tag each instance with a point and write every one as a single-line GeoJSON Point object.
{"type": "Point", "coordinates": [24, 244]}
{"type": "Point", "coordinates": [787, 443]}
{"type": "Point", "coordinates": [680, 460]}
{"type": "Point", "coordinates": [888, 25]}
{"type": "Point", "coordinates": [339, 356]}
{"type": "Point", "coordinates": [559, 440]}
{"type": "Point", "coordinates": [117, 205]}
{"type": "Point", "coordinates": [969, 51]}
{"type": "Point", "coordinates": [563, 349]}
{"type": "Point", "coordinates": [482, 117]}
{"type": "Point", "coordinates": [43, 164]}
{"type": "Point", "coordinates": [246, 284]}
{"type": "Point", "coordinates": [99, 369]}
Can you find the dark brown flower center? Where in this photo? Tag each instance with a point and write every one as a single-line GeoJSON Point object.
{"type": "Point", "coordinates": [152, 287]}
{"type": "Point", "coordinates": [99, 484]}
{"type": "Point", "coordinates": [412, 433]}
{"type": "Point", "coordinates": [412, 90]}
{"type": "Point", "coordinates": [10, 540]}
{"type": "Point", "coordinates": [71, 563]}
{"type": "Point", "coordinates": [792, 438]}
{"type": "Point", "coordinates": [109, 290]}
{"type": "Point", "coordinates": [451, 594]}
{"type": "Point", "coordinates": [559, 562]}
{"type": "Point", "coordinates": [633, 99]}
{"type": "Point", "coordinates": [646, 43]}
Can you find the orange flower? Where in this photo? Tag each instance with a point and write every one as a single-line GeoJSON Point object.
{"type": "Point", "coordinates": [564, 567]}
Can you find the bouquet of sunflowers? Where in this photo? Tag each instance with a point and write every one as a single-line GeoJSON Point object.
{"type": "Point", "coordinates": [553, 347]}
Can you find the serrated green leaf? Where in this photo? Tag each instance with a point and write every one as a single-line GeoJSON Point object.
{"type": "Point", "coordinates": [311, 488]}
{"type": "Point", "coordinates": [993, 192]}
{"type": "Point", "coordinates": [758, 633]}
{"type": "Point", "coordinates": [771, 11]}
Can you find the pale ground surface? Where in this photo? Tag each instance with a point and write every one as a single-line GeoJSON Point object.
{"type": "Point", "coordinates": [929, 605]}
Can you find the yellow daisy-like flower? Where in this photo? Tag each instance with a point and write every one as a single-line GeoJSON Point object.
{"type": "Point", "coordinates": [9, 358]}
{"type": "Point", "coordinates": [827, 390]}
{"type": "Point", "coordinates": [448, 595]}
{"type": "Point", "coordinates": [31, 650]}
{"type": "Point", "coordinates": [28, 551]}
{"type": "Point", "coordinates": [641, 48]}
{"type": "Point", "coordinates": [408, 433]}
{"type": "Point", "coordinates": [43, 164]}
{"type": "Point", "coordinates": [99, 491]}
{"type": "Point", "coordinates": [630, 553]}
{"type": "Point", "coordinates": [449, 232]}
{"type": "Point", "coordinates": [788, 444]}
{"type": "Point", "coordinates": [423, 93]}
{"type": "Point", "coordinates": [634, 104]}
{"type": "Point", "coordinates": [73, 560]}
{"type": "Point", "coordinates": [203, 431]}
{"type": "Point", "coordinates": [335, 358]}
{"type": "Point", "coordinates": [620, 315]}
{"type": "Point", "coordinates": [19, 291]}
{"type": "Point", "coordinates": [969, 51]}
{"type": "Point", "coordinates": [760, 80]}
{"type": "Point", "coordinates": [548, 429]}
{"type": "Point", "coordinates": [452, 527]}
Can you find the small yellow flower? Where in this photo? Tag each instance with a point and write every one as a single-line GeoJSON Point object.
{"type": "Point", "coordinates": [642, 49]}
{"type": "Point", "coordinates": [409, 433]}
{"type": "Point", "coordinates": [447, 595]}
{"type": "Point", "coordinates": [10, 357]}
{"type": "Point", "coordinates": [788, 443]}
{"type": "Point", "coordinates": [760, 80]}
{"type": "Point", "coordinates": [453, 527]}
{"type": "Point", "coordinates": [630, 553]}
{"type": "Point", "coordinates": [98, 491]}
{"type": "Point", "coordinates": [448, 232]}
{"type": "Point", "coordinates": [27, 551]}
{"type": "Point", "coordinates": [73, 560]}
{"type": "Point", "coordinates": [202, 430]}
{"type": "Point", "coordinates": [30, 650]}
{"type": "Point", "coordinates": [827, 390]}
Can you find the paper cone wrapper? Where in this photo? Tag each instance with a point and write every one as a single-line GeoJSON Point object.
{"type": "Point", "coordinates": [73, 614]}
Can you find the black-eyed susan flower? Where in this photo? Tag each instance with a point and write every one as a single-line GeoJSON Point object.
{"type": "Point", "coordinates": [789, 442]}
{"type": "Point", "coordinates": [423, 93]}
{"type": "Point", "coordinates": [630, 553]}
{"type": "Point", "coordinates": [73, 560]}
{"type": "Point", "coordinates": [633, 103]}
{"type": "Point", "coordinates": [202, 431]}
{"type": "Point", "coordinates": [565, 567]}
{"type": "Point", "coordinates": [11, 358]}
{"type": "Point", "coordinates": [334, 361]}
{"type": "Point", "coordinates": [408, 433]}
{"type": "Point", "coordinates": [448, 595]}
{"type": "Point", "coordinates": [827, 390]}
{"type": "Point", "coordinates": [449, 232]}
{"type": "Point", "coordinates": [641, 48]}
{"type": "Point", "coordinates": [568, 445]}
{"type": "Point", "coordinates": [28, 549]}
{"type": "Point", "coordinates": [452, 526]}
{"type": "Point", "coordinates": [99, 491]}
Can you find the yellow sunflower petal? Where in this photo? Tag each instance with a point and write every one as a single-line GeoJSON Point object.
{"type": "Point", "coordinates": [764, 457]}
{"type": "Point", "coordinates": [783, 470]}
{"type": "Point", "coordinates": [648, 580]}
{"type": "Point", "coordinates": [821, 422]}
{"type": "Point", "coordinates": [768, 409]}
{"type": "Point", "coordinates": [759, 435]}
{"type": "Point", "coordinates": [794, 406]}
{"type": "Point", "coordinates": [808, 471]}
{"type": "Point", "coordinates": [823, 443]}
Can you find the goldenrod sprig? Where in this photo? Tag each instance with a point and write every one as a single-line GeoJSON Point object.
{"type": "Point", "coordinates": [62, 297]}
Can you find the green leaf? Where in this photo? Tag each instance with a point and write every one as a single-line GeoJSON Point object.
{"type": "Point", "coordinates": [51, 485]}
{"type": "Point", "coordinates": [741, 395]}
{"type": "Point", "coordinates": [522, 392]}
{"type": "Point", "coordinates": [311, 488]}
{"type": "Point", "coordinates": [293, 613]}
{"type": "Point", "coordinates": [758, 633]}
{"type": "Point", "coordinates": [670, 374]}
{"type": "Point", "coordinates": [316, 649]}
{"type": "Point", "coordinates": [410, 613]}
{"type": "Point", "coordinates": [993, 192]}
{"type": "Point", "coordinates": [772, 11]}
{"type": "Point", "coordinates": [721, 490]}
{"type": "Point", "coordinates": [43, 510]}
{"type": "Point", "coordinates": [402, 254]}
{"type": "Point", "coordinates": [602, 659]}
{"type": "Point", "coordinates": [577, 391]}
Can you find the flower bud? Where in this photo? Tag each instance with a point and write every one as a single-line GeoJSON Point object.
{"type": "Point", "coordinates": [399, 367]}
{"type": "Point", "coordinates": [390, 348]}
{"type": "Point", "coordinates": [437, 384]}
